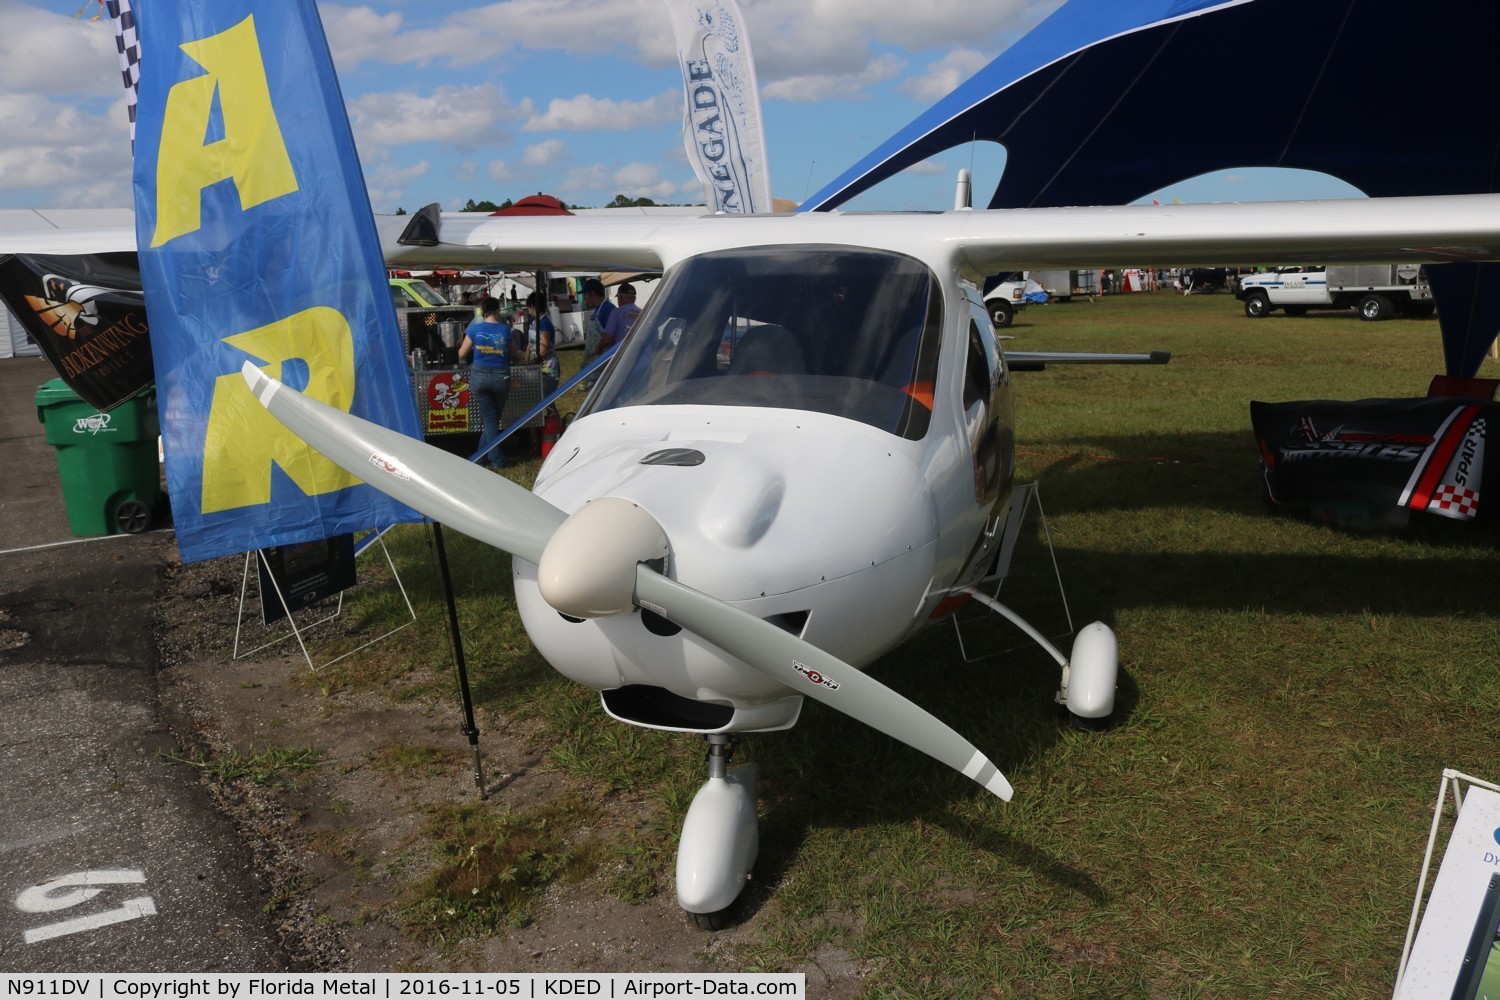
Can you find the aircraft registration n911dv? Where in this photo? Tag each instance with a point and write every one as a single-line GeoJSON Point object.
{"type": "Point", "coordinates": [801, 455]}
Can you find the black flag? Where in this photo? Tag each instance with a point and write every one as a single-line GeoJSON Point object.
{"type": "Point", "coordinates": [88, 315]}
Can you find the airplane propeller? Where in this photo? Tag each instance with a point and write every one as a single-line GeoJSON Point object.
{"type": "Point", "coordinates": [498, 512]}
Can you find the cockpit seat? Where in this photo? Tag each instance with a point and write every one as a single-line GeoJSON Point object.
{"type": "Point", "coordinates": [768, 350]}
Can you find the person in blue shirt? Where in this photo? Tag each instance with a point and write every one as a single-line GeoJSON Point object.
{"type": "Point", "coordinates": [489, 340]}
{"type": "Point", "coordinates": [543, 340]}
{"type": "Point", "coordinates": [622, 319]}
{"type": "Point", "coordinates": [600, 309]}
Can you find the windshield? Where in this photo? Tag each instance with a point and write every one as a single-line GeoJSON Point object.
{"type": "Point", "coordinates": [849, 332]}
{"type": "Point", "coordinates": [427, 293]}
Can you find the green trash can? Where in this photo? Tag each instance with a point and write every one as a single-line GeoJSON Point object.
{"type": "Point", "coordinates": [111, 476]}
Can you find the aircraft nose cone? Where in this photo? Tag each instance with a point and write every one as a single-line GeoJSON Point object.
{"type": "Point", "coordinates": [587, 569]}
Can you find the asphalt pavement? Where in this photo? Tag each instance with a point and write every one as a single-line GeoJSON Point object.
{"type": "Point", "coordinates": [112, 858]}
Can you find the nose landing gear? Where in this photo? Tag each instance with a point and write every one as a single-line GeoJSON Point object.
{"type": "Point", "coordinates": [720, 839]}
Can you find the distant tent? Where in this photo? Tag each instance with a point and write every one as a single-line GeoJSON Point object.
{"type": "Point", "coordinates": [536, 204]}
{"type": "Point", "coordinates": [14, 340]}
{"type": "Point", "coordinates": [1109, 100]}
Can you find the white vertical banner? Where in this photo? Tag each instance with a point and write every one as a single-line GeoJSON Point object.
{"type": "Point", "coordinates": [722, 129]}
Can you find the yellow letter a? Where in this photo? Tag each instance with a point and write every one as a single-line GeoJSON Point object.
{"type": "Point", "coordinates": [252, 152]}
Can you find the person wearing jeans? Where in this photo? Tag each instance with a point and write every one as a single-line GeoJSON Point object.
{"type": "Point", "coordinates": [489, 340]}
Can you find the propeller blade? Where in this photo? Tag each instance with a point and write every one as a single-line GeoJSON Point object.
{"type": "Point", "coordinates": [495, 511]}
{"type": "Point", "coordinates": [808, 670]}
{"type": "Point", "coordinates": [446, 488]}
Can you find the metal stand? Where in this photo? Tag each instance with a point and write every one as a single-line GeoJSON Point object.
{"type": "Point", "coordinates": [292, 618]}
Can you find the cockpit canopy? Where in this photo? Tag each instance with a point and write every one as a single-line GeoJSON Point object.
{"type": "Point", "coordinates": [846, 331]}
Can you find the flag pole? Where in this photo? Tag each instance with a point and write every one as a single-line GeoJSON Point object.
{"type": "Point", "coordinates": [470, 729]}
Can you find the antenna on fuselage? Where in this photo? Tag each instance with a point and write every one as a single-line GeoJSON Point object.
{"type": "Point", "coordinates": [963, 194]}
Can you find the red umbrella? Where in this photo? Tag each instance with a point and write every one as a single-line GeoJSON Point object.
{"type": "Point", "coordinates": [536, 204]}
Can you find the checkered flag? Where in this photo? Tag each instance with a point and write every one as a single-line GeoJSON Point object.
{"type": "Point", "coordinates": [129, 44]}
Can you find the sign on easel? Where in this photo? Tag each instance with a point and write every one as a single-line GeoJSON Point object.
{"type": "Point", "coordinates": [1453, 952]}
{"type": "Point", "coordinates": [295, 576]}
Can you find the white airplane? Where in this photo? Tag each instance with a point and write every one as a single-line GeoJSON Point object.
{"type": "Point", "coordinates": [801, 455]}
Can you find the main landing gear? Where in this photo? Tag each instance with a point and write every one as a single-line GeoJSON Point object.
{"type": "Point", "coordinates": [1089, 676]}
{"type": "Point", "coordinates": [720, 839]}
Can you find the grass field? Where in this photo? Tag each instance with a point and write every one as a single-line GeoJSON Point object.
{"type": "Point", "coordinates": [1254, 823]}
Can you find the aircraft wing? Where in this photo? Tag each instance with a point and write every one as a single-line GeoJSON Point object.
{"type": "Point", "coordinates": [1350, 230]}
{"type": "Point", "coordinates": [978, 242]}
{"type": "Point", "coordinates": [984, 242]}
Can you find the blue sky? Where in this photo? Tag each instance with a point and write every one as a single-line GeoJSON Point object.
{"type": "Point", "coordinates": [577, 98]}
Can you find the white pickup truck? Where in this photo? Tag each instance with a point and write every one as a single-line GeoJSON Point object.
{"type": "Point", "coordinates": [1378, 291]}
{"type": "Point", "coordinates": [1004, 299]}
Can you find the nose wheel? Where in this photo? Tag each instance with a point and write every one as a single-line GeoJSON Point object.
{"type": "Point", "coordinates": [720, 839]}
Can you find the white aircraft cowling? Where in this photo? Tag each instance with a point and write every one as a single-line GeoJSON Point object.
{"type": "Point", "coordinates": [818, 523]}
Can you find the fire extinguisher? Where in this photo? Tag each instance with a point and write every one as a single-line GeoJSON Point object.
{"type": "Point", "coordinates": [551, 428]}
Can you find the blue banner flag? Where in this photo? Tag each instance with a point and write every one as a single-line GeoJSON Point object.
{"type": "Point", "coordinates": [257, 243]}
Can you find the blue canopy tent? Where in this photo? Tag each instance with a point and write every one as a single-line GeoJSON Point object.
{"type": "Point", "coordinates": [1394, 98]}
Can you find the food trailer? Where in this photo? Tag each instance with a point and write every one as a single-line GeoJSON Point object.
{"type": "Point", "coordinates": [441, 385]}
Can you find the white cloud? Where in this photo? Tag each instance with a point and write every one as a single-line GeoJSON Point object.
{"type": "Point", "coordinates": [465, 117]}
{"type": "Point", "coordinates": [66, 155]}
{"type": "Point", "coordinates": [795, 39]}
{"type": "Point", "coordinates": [389, 185]}
{"type": "Point", "coordinates": [787, 35]}
{"type": "Point", "coordinates": [486, 32]}
{"type": "Point", "coordinates": [44, 52]}
{"type": "Point", "coordinates": [598, 183]}
{"type": "Point", "coordinates": [791, 39]}
{"type": "Point", "coordinates": [393, 176]}
{"type": "Point", "coordinates": [594, 177]}
{"type": "Point", "coordinates": [926, 167]}
{"type": "Point", "coordinates": [812, 88]}
{"type": "Point", "coordinates": [62, 112]}
{"type": "Point", "coordinates": [944, 75]}
{"type": "Point", "coordinates": [544, 154]}
{"type": "Point", "coordinates": [932, 24]}
{"type": "Point", "coordinates": [358, 34]}
{"type": "Point", "coordinates": [457, 67]}
{"type": "Point", "coordinates": [585, 113]}
{"type": "Point", "coordinates": [644, 180]}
